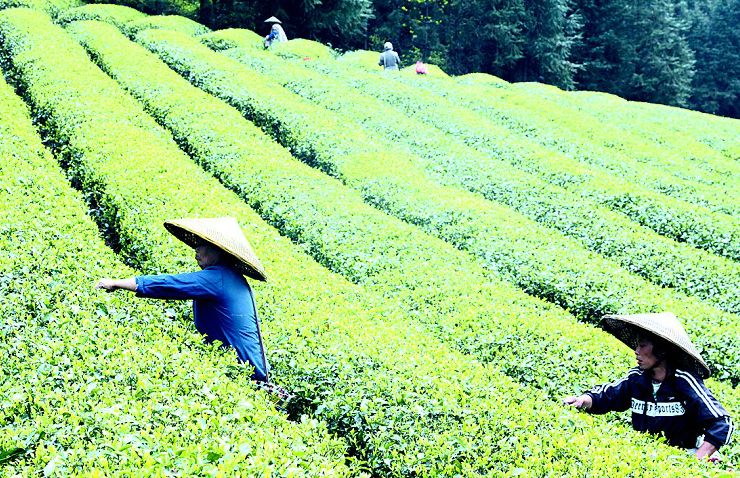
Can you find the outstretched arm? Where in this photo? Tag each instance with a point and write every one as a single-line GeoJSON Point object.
{"type": "Point", "coordinates": [610, 397]}
{"type": "Point", "coordinates": [109, 285]}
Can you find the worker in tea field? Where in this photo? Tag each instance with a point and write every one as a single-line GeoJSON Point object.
{"type": "Point", "coordinates": [223, 303]}
{"type": "Point", "coordinates": [389, 59]}
{"type": "Point", "coordinates": [665, 392]}
{"type": "Point", "coordinates": [277, 34]}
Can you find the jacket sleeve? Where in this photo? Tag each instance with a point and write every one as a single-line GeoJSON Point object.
{"type": "Point", "coordinates": [614, 396]}
{"type": "Point", "coordinates": [204, 284]}
{"type": "Point", "coordinates": [380, 62]}
{"type": "Point", "coordinates": [714, 419]}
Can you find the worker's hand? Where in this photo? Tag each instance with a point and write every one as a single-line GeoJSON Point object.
{"type": "Point", "coordinates": [583, 402]}
{"type": "Point", "coordinates": [705, 452]}
{"type": "Point", "coordinates": [109, 285]}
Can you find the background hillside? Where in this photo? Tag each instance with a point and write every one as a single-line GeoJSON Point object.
{"type": "Point", "coordinates": [674, 52]}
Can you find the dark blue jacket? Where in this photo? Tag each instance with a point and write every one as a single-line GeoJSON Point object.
{"type": "Point", "coordinates": [682, 409]}
{"type": "Point", "coordinates": [223, 308]}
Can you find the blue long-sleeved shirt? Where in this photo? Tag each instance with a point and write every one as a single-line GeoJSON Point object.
{"type": "Point", "coordinates": [223, 308]}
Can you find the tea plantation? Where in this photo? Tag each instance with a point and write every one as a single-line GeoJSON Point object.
{"type": "Point", "coordinates": [440, 252]}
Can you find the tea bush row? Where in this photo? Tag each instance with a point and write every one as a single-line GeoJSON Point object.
{"type": "Point", "coordinates": [118, 15]}
{"type": "Point", "coordinates": [554, 117]}
{"type": "Point", "coordinates": [715, 232]}
{"type": "Point", "coordinates": [690, 134]}
{"type": "Point", "coordinates": [50, 7]}
{"type": "Point", "coordinates": [660, 123]}
{"type": "Point", "coordinates": [692, 172]}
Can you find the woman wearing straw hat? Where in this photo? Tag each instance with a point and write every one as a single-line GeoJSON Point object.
{"type": "Point", "coordinates": [665, 392]}
{"type": "Point", "coordinates": [277, 34]}
{"type": "Point", "coordinates": [223, 304]}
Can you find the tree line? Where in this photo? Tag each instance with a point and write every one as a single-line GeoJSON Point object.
{"type": "Point", "coordinates": [676, 52]}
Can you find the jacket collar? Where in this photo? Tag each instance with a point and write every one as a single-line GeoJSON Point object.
{"type": "Point", "coordinates": [646, 378]}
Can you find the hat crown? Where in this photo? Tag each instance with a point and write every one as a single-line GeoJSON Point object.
{"type": "Point", "coordinates": [224, 233]}
{"type": "Point", "coordinates": [666, 324]}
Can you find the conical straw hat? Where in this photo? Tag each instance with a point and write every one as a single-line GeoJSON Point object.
{"type": "Point", "coordinates": [665, 325]}
{"type": "Point", "coordinates": [224, 233]}
{"type": "Point", "coordinates": [272, 20]}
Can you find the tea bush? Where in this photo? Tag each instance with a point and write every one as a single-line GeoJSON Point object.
{"type": "Point", "coordinates": [659, 123]}
{"type": "Point", "coordinates": [50, 7]}
{"type": "Point", "coordinates": [700, 227]}
{"type": "Point", "coordinates": [118, 15]}
{"type": "Point", "coordinates": [692, 172]}
{"type": "Point", "coordinates": [169, 22]}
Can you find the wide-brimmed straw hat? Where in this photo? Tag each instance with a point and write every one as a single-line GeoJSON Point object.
{"type": "Point", "coordinates": [665, 325]}
{"type": "Point", "coordinates": [272, 20]}
{"type": "Point", "coordinates": [224, 233]}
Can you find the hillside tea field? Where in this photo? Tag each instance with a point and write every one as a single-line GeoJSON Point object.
{"type": "Point", "coordinates": [440, 252]}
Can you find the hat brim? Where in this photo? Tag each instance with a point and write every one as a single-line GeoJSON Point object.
{"type": "Point", "coordinates": [629, 332]}
{"type": "Point", "coordinates": [272, 20]}
{"type": "Point", "coordinates": [194, 239]}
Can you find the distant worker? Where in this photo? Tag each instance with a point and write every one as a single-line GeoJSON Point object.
{"type": "Point", "coordinates": [223, 304]}
{"type": "Point", "coordinates": [277, 34]}
{"type": "Point", "coordinates": [665, 392]}
{"type": "Point", "coordinates": [421, 68]}
{"type": "Point", "coordinates": [389, 59]}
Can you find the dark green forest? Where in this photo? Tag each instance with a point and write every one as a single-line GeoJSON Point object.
{"type": "Point", "coordinates": [676, 52]}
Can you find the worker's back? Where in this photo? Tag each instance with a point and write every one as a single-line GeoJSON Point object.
{"type": "Point", "coordinates": [389, 58]}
